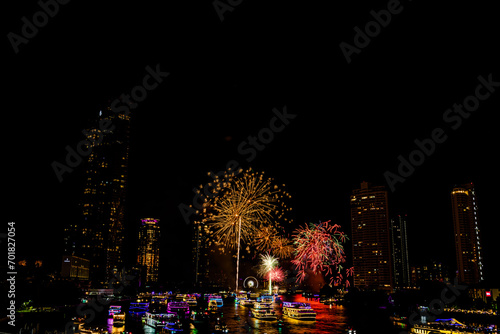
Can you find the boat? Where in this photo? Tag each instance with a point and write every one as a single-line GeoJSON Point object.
{"type": "Point", "coordinates": [263, 311]}
{"type": "Point", "coordinates": [451, 326]}
{"type": "Point", "coordinates": [218, 300]}
{"type": "Point", "coordinates": [118, 319]}
{"type": "Point", "coordinates": [160, 320]}
{"type": "Point", "coordinates": [299, 311]}
{"type": "Point", "coordinates": [239, 297]}
{"type": "Point", "coordinates": [191, 300]}
{"type": "Point", "coordinates": [181, 308]}
{"type": "Point", "coordinates": [212, 305]}
{"type": "Point", "coordinates": [247, 302]}
{"type": "Point", "coordinates": [138, 309]}
{"type": "Point", "coordinates": [266, 298]}
{"type": "Point", "coordinates": [174, 327]}
{"type": "Point", "coordinates": [114, 309]}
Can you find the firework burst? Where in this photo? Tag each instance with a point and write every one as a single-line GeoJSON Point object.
{"type": "Point", "coordinates": [264, 238]}
{"type": "Point", "coordinates": [319, 249]}
{"type": "Point", "coordinates": [282, 247]}
{"type": "Point", "coordinates": [267, 264]}
{"type": "Point", "coordinates": [250, 200]}
{"type": "Point", "coordinates": [276, 275]}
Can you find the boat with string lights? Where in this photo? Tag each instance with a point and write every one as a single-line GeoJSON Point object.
{"type": "Point", "coordinates": [299, 311]}
{"type": "Point", "coordinates": [263, 311]}
{"type": "Point", "coordinates": [451, 326]}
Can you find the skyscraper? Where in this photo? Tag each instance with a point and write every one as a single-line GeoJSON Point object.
{"type": "Point", "coordinates": [467, 234]}
{"type": "Point", "coordinates": [370, 238]}
{"type": "Point", "coordinates": [98, 235]}
{"type": "Point", "coordinates": [201, 259]}
{"type": "Point", "coordinates": [399, 243]}
{"type": "Point", "coordinates": [149, 248]}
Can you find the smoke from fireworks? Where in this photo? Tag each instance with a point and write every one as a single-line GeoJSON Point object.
{"type": "Point", "coordinates": [319, 249]}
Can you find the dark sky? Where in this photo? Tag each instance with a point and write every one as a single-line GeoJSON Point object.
{"type": "Point", "coordinates": [353, 120]}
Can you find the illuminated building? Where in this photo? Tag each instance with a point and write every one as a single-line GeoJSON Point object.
{"type": "Point", "coordinates": [98, 235]}
{"type": "Point", "coordinates": [432, 271]}
{"type": "Point", "coordinates": [370, 238]}
{"type": "Point", "coordinates": [467, 234]}
{"type": "Point", "coordinates": [149, 248]}
{"type": "Point", "coordinates": [399, 243]}
{"type": "Point", "coordinates": [75, 267]}
{"type": "Point", "coordinates": [200, 254]}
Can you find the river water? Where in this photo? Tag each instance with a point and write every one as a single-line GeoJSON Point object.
{"type": "Point", "coordinates": [332, 319]}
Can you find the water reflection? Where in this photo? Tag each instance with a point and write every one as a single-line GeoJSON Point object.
{"type": "Point", "coordinates": [116, 329]}
{"type": "Point", "coordinates": [332, 319]}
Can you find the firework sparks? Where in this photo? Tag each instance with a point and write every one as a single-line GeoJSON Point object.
{"type": "Point", "coordinates": [251, 200]}
{"type": "Point", "coordinates": [264, 238]}
{"type": "Point", "coordinates": [267, 263]}
{"type": "Point", "coordinates": [282, 247]}
{"type": "Point", "coordinates": [276, 275]}
{"type": "Point", "coordinates": [319, 249]}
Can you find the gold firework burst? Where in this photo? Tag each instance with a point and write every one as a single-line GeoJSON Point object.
{"type": "Point", "coordinates": [248, 199]}
{"type": "Point", "coordinates": [282, 247]}
{"type": "Point", "coordinates": [264, 238]}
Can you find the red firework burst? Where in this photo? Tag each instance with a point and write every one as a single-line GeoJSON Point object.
{"type": "Point", "coordinates": [276, 275]}
{"type": "Point", "coordinates": [319, 249]}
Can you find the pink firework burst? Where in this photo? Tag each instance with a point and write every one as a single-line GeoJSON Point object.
{"type": "Point", "coordinates": [276, 275]}
{"type": "Point", "coordinates": [319, 249]}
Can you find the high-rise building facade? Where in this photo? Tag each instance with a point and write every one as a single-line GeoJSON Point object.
{"type": "Point", "coordinates": [200, 253]}
{"type": "Point", "coordinates": [399, 246]}
{"type": "Point", "coordinates": [467, 234]}
{"type": "Point", "coordinates": [98, 236]}
{"type": "Point", "coordinates": [149, 248]}
{"type": "Point", "coordinates": [371, 249]}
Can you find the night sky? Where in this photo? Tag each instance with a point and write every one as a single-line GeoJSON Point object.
{"type": "Point", "coordinates": [352, 120]}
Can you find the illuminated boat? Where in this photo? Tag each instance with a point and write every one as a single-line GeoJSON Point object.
{"type": "Point", "coordinates": [118, 319]}
{"type": "Point", "coordinates": [181, 308]}
{"type": "Point", "coordinates": [114, 309]}
{"type": "Point", "coordinates": [212, 305]}
{"type": "Point", "coordinates": [191, 300]}
{"type": "Point", "coordinates": [299, 311]}
{"type": "Point", "coordinates": [266, 298]}
{"type": "Point", "coordinates": [218, 299]}
{"type": "Point", "coordinates": [263, 311]}
{"type": "Point", "coordinates": [247, 302]}
{"type": "Point", "coordinates": [160, 320]}
{"type": "Point", "coordinates": [450, 326]}
{"type": "Point", "coordinates": [239, 297]}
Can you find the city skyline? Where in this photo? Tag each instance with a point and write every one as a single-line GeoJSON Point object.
{"type": "Point", "coordinates": [361, 115]}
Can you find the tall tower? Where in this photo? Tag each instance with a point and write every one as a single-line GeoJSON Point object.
{"type": "Point", "coordinates": [149, 248]}
{"type": "Point", "coordinates": [467, 238]}
{"type": "Point", "coordinates": [200, 254]}
{"type": "Point", "coordinates": [98, 236]}
{"type": "Point", "coordinates": [370, 238]}
{"type": "Point", "coordinates": [399, 243]}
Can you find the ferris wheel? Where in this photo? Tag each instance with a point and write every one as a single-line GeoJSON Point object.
{"type": "Point", "coordinates": [250, 282]}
